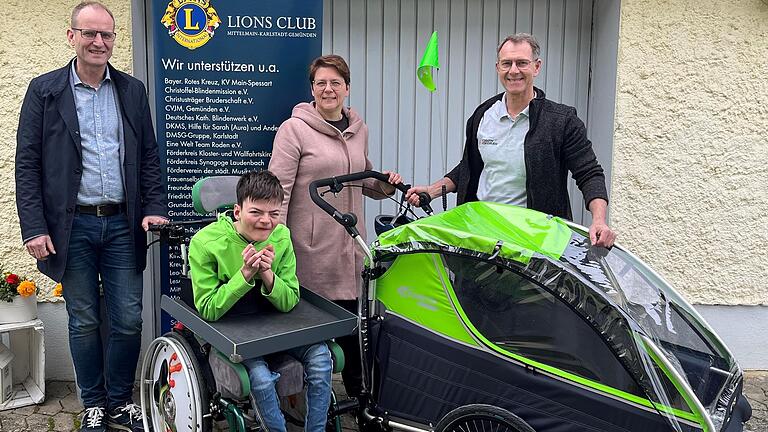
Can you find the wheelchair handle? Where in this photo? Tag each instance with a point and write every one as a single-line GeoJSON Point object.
{"type": "Point", "coordinates": [173, 232]}
{"type": "Point", "coordinates": [175, 225]}
{"type": "Point", "coordinates": [336, 184]}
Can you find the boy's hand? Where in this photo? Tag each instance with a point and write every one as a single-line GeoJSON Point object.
{"type": "Point", "coordinates": [267, 256]}
{"type": "Point", "coordinates": [259, 262]}
{"type": "Point", "coordinates": [251, 262]}
{"type": "Point", "coordinates": [265, 268]}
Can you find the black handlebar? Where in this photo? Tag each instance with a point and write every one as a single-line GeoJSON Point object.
{"type": "Point", "coordinates": [336, 184]}
{"type": "Point", "coordinates": [173, 232]}
{"type": "Point", "coordinates": [176, 225]}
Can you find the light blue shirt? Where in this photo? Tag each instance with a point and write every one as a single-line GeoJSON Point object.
{"type": "Point", "coordinates": [101, 138]}
{"type": "Point", "coordinates": [500, 140]}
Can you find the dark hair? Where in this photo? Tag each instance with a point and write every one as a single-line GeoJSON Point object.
{"type": "Point", "coordinates": [85, 4]}
{"type": "Point", "coordinates": [259, 185]}
{"type": "Point", "coordinates": [522, 38]}
{"type": "Point", "coordinates": [333, 61]}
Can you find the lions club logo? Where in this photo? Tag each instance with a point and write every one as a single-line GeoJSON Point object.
{"type": "Point", "coordinates": [190, 22]}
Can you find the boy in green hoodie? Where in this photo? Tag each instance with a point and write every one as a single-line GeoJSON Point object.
{"type": "Point", "coordinates": [247, 256]}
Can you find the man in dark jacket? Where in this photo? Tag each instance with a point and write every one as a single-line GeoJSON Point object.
{"type": "Point", "coordinates": [87, 181]}
{"type": "Point", "coordinates": [520, 146]}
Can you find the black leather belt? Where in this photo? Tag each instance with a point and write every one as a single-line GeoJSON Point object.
{"type": "Point", "coordinates": [102, 209]}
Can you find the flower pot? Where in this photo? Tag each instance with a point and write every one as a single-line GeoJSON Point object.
{"type": "Point", "coordinates": [21, 309]}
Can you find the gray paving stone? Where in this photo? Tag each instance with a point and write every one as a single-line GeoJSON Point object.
{"type": "Point", "coordinates": [12, 421]}
{"type": "Point", "coordinates": [60, 413]}
{"type": "Point", "coordinates": [38, 422]}
{"type": "Point", "coordinates": [71, 404]}
{"type": "Point", "coordinates": [756, 391]}
{"type": "Point", "coordinates": [50, 407]}
{"type": "Point", "coordinates": [16, 429]}
{"type": "Point", "coordinates": [27, 410]}
{"type": "Point", "coordinates": [63, 422]}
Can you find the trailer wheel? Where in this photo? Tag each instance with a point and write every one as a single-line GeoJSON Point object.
{"type": "Point", "coordinates": [482, 418]}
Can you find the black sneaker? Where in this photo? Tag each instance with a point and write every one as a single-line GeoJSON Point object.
{"type": "Point", "coordinates": [126, 417]}
{"type": "Point", "coordinates": [93, 420]}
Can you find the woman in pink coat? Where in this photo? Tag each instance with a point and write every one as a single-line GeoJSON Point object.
{"type": "Point", "coordinates": [324, 139]}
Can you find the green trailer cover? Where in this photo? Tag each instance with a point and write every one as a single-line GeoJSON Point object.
{"type": "Point", "coordinates": [495, 229]}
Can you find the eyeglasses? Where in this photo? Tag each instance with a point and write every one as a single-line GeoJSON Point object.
{"type": "Point", "coordinates": [320, 85]}
{"type": "Point", "coordinates": [106, 36]}
{"type": "Point", "coordinates": [522, 64]}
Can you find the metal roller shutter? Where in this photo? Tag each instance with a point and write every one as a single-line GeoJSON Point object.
{"type": "Point", "coordinates": [422, 135]}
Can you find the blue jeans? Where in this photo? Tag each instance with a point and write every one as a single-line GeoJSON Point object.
{"type": "Point", "coordinates": [317, 376]}
{"type": "Point", "coordinates": [103, 248]}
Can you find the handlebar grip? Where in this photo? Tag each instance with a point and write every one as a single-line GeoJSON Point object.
{"type": "Point", "coordinates": [424, 200]}
{"type": "Point", "coordinates": [155, 227]}
{"type": "Point", "coordinates": [347, 220]}
{"type": "Point", "coordinates": [172, 225]}
{"type": "Point", "coordinates": [317, 199]}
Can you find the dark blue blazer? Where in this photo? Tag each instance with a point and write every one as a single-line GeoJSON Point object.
{"type": "Point", "coordinates": [49, 163]}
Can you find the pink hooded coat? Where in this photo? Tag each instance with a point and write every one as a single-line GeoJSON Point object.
{"type": "Point", "coordinates": [307, 148]}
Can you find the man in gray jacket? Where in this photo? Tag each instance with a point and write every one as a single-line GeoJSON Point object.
{"type": "Point", "coordinates": [520, 146]}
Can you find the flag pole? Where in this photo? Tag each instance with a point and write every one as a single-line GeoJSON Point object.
{"type": "Point", "coordinates": [430, 61]}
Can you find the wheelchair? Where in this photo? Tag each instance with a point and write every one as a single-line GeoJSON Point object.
{"type": "Point", "coordinates": [193, 375]}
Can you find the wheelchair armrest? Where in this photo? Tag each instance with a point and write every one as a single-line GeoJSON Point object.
{"type": "Point", "coordinates": [231, 378]}
{"type": "Point", "coordinates": [337, 355]}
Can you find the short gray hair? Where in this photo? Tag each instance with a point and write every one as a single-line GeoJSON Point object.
{"type": "Point", "coordinates": [89, 3]}
{"type": "Point", "coordinates": [522, 38]}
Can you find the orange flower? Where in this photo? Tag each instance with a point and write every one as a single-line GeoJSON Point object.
{"type": "Point", "coordinates": [26, 288]}
{"type": "Point", "coordinates": [58, 290]}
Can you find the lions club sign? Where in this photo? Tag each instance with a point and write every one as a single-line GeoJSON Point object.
{"type": "Point", "coordinates": [191, 23]}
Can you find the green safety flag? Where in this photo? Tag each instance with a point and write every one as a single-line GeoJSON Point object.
{"type": "Point", "coordinates": [429, 61]}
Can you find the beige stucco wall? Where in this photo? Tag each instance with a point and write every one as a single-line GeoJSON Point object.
{"type": "Point", "coordinates": [34, 41]}
{"type": "Point", "coordinates": [690, 173]}
{"type": "Point", "coordinates": [690, 182]}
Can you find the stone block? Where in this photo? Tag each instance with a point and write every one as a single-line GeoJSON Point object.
{"type": "Point", "coordinates": [39, 422]}
{"type": "Point", "coordinates": [50, 407]}
{"type": "Point", "coordinates": [71, 404]}
{"type": "Point", "coordinates": [12, 421]}
{"type": "Point", "coordinates": [64, 422]}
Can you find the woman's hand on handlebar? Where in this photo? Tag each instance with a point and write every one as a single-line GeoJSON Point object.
{"type": "Point", "coordinates": [394, 178]}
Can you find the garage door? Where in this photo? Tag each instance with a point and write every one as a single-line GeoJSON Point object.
{"type": "Point", "coordinates": [421, 134]}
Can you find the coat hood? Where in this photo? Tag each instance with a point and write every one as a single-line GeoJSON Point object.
{"type": "Point", "coordinates": [307, 113]}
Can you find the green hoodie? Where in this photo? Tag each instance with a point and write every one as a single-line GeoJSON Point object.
{"type": "Point", "coordinates": [215, 260]}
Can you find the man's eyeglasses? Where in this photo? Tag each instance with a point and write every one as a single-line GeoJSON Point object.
{"type": "Point", "coordinates": [106, 36]}
{"type": "Point", "coordinates": [320, 85]}
{"type": "Point", "coordinates": [522, 64]}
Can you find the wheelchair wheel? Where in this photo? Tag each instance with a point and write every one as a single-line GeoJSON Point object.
{"type": "Point", "coordinates": [481, 418]}
{"type": "Point", "coordinates": [173, 394]}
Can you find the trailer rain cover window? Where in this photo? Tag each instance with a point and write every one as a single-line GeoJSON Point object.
{"type": "Point", "coordinates": [521, 317]}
